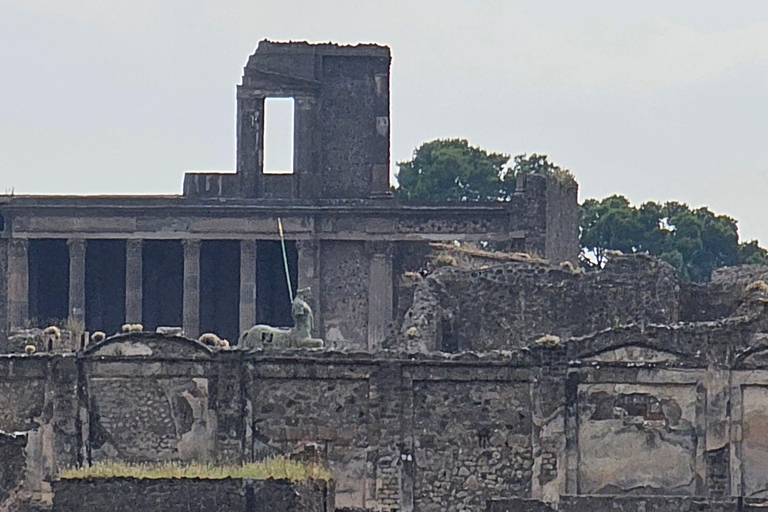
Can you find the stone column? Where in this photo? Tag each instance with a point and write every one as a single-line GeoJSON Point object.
{"type": "Point", "coordinates": [380, 294]}
{"type": "Point", "coordinates": [309, 277]}
{"type": "Point", "coordinates": [133, 281]}
{"type": "Point", "coordinates": [306, 140]}
{"type": "Point", "coordinates": [18, 283]}
{"type": "Point", "coordinates": [250, 143]}
{"type": "Point", "coordinates": [77, 279]}
{"type": "Point", "coordinates": [247, 284]}
{"type": "Point", "coordinates": [191, 309]}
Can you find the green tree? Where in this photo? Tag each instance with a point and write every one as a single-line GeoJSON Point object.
{"type": "Point", "coordinates": [452, 170]}
{"type": "Point", "coordinates": [534, 164]}
{"type": "Point", "coordinates": [695, 242]}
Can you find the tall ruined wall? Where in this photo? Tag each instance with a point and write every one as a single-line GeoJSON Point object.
{"type": "Point", "coordinates": [341, 114]}
{"type": "Point", "coordinates": [513, 305]}
{"type": "Point", "coordinates": [354, 124]}
{"type": "Point", "coordinates": [562, 241]}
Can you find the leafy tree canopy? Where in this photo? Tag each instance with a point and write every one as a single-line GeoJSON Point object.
{"type": "Point", "coordinates": [694, 241]}
{"type": "Point", "coordinates": [453, 170]}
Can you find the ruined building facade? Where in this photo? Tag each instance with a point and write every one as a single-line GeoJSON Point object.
{"type": "Point", "coordinates": [497, 384]}
{"type": "Point", "coordinates": [209, 260]}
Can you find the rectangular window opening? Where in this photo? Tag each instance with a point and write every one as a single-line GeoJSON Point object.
{"type": "Point", "coordinates": [278, 136]}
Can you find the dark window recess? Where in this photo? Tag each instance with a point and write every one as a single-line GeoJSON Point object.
{"type": "Point", "coordinates": [162, 283]}
{"type": "Point", "coordinates": [105, 285]}
{"type": "Point", "coordinates": [273, 303]}
{"type": "Point", "coordinates": [220, 288]}
{"type": "Point", "coordinates": [48, 281]}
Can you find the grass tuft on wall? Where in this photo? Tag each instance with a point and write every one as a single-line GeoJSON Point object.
{"type": "Point", "coordinates": [278, 468]}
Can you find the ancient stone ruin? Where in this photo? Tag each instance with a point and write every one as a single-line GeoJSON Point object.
{"type": "Point", "coordinates": [448, 379]}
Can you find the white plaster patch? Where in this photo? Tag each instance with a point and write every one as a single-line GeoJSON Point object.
{"type": "Point", "coordinates": [754, 447]}
{"type": "Point", "coordinates": [637, 437]}
{"type": "Point", "coordinates": [125, 348]}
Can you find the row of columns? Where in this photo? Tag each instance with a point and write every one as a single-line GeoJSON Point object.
{"type": "Point", "coordinates": [18, 283]}
{"type": "Point", "coordinates": [380, 292]}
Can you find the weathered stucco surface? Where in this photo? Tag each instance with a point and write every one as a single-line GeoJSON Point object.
{"type": "Point", "coordinates": [145, 419]}
{"type": "Point", "coordinates": [637, 439]}
{"type": "Point", "coordinates": [754, 447]}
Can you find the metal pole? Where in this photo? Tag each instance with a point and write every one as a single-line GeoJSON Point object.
{"type": "Point", "coordinates": [285, 258]}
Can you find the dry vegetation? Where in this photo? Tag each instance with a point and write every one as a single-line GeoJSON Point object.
{"type": "Point", "coordinates": [279, 468]}
{"type": "Point", "coordinates": [757, 286]}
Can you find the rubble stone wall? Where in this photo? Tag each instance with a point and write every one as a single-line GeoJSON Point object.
{"type": "Point", "coordinates": [631, 411]}
{"type": "Point", "coordinates": [512, 305]}
{"type": "Point", "coordinates": [345, 270]}
{"type": "Point", "coordinates": [188, 495]}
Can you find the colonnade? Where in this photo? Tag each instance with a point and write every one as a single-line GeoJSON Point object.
{"type": "Point", "coordinates": [380, 286]}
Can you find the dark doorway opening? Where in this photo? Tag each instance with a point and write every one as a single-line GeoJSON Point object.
{"type": "Point", "coordinates": [162, 283]}
{"type": "Point", "coordinates": [105, 285]}
{"type": "Point", "coordinates": [220, 288]}
{"type": "Point", "coordinates": [273, 303]}
{"type": "Point", "coordinates": [48, 281]}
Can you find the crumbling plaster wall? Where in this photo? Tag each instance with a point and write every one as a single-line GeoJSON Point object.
{"type": "Point", "coordinates": [154, 410]}
{"type": "Point", "coordinates": [638, 439]}
{"type": "Point", "coordinates": [38, 404]}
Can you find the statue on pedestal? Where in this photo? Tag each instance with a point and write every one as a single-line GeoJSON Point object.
{"type": "Point", "coordinates": [298, 336]}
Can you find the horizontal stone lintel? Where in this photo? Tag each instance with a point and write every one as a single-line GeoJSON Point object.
{"type": "Point", "coordinates": [184, 235]}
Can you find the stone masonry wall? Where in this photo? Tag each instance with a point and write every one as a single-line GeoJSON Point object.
{"type": "Point", "coordinates": [562, 241]}
{"type": "Point", "coordinates": [3, 295]}
{"type": "Point", "coordinates": [513, 305]}
{"type": "Point", "coordinates": [637, 409]}
{"type": "Point", "coordinates": [189, 495]}
{"type": "Point", "coordinates": [471, 440]}
{"type": "Point", "coordinates": [12, 453]}
{"type": "Point", "coordinates": [344, 287]}
{"type": "Point", "coordinates": [727, 293]}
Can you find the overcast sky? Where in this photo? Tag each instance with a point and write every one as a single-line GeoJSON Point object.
{"type": "Point", "coordinates": [655, 100]}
